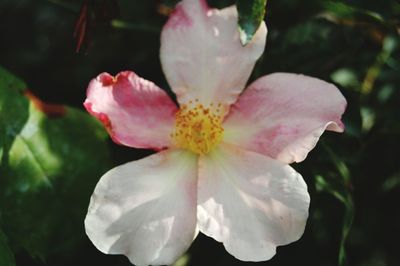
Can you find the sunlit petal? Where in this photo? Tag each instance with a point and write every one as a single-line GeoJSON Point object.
{"type": "Point", "coordinates": [250, 202]}
{"type": "Point", "coordinates": [202, 56]}
{"type": "Point", "coordinates": [135, 111]}
{"type": "Point", "coordinates": [283, 115]}
{"type": "Point", "coordinates": [146, 209]}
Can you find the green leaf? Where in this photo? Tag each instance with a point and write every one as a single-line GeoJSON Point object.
{"type": "Point", "coordinates": [13, 109]}
{"type": "Point", "coordinates": [251, 14]}
{"type": "Point", "coordinates": [6, 255]}
{"type": "Point", "coordinates": [52, 158]}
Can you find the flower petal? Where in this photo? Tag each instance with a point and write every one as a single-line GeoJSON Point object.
{"type": "Point", "coordinates": [250, 202]}
{"type": "Point", "coordinates": [202, 56]}
{"type": "Point", "coordinates": [146, 209]}
{"type": "Point", "coordinates": [135, 111]}
{"type": "Point", "coordinates": [283, 115]}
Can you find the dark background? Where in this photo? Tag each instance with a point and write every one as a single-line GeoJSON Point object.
{"type": "Point", "coordinates": [354, 44]}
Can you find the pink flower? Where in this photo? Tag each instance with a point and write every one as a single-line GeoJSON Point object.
{"type": "Point", "coordinates": [222, 166]}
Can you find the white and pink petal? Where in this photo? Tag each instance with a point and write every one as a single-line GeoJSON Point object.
{"type": "Point", "coordinates": [283, 115]}
{"type": "Point", "coordinates": [135, 111]}
{"type": "Point", "coordinates": [202, 56]}
{"type": "Point", "coordinates": [250, 203]}
{"type": "Point", "coordinates": [146, 209]}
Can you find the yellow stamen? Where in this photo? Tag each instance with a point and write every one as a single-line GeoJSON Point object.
{"type": "Point", "coordinates": [198, 128]}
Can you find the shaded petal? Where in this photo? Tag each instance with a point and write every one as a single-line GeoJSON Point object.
{"type": "Point", "coordinates": [146, 209]}
{"type": "Point", "coordinates": [202, 56]}
{"type": "Point", "coordinates": [283, 115]}
{"type": "Point", "coordinates": [135, 111]}
{"type": "Point", "coordinates": [250, 202]}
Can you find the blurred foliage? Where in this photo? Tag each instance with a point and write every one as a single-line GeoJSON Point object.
{"type": "Point", "coordinates": [6, 255]}
{"type": "Point", "coordinates": [52, 157]}
{"type": "Point", "coordinates": [339, 186]}
{"type": "Point", "coordinates": [353, 178]}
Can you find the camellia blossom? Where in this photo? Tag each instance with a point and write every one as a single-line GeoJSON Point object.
{"type": "Point", "coordinates": [222, 166]}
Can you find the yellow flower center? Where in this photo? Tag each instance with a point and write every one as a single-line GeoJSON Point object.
{"type": "Point", "coordinates": [198, 128]}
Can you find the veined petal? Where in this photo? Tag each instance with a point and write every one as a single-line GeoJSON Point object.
{"type": "Point", "coordinates": [135, 111]}
{"type": "Point", "coordinates": [283, 115]}
{"type": "Point", "coordinates": [250, 202]}
{"type": "Point", "coordinates": [202, 56]}
{"type": "Point", "coordinates": [146, 209]}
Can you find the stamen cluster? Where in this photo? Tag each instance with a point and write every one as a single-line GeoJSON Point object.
{"type": "Point", "coordinates": [198, 128]}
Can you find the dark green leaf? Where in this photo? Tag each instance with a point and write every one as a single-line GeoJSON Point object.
{"type": "Point", "coordinates": [6, 255]}
{"type": "Point", "coordinates": [13, 109]}
{"type": "Point", "coordinates": [251, 14]}
{"type": "Point", "coordinates": [50, 167]}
